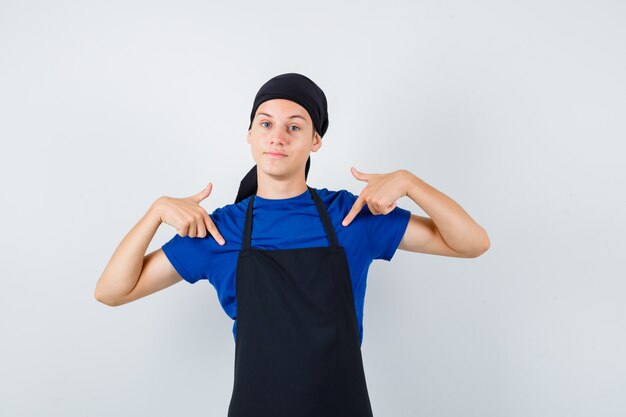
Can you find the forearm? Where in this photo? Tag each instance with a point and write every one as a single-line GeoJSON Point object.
{"type": "Point", "coordinates": [457, 228]}
{"type": "Point", "coordinates": [124, 268]}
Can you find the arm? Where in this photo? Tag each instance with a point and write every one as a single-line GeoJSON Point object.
{"type": "Point", "coordinates": [130, 275]}
{"type": "Point", "coordinates": [449, 231]}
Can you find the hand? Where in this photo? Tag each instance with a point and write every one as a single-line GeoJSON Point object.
{"type": "Point", "coordinates": [380, 194]}
{"type": "Point", "coordinates": [187, 216]}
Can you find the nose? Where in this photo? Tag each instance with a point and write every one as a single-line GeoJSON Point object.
{"type": "Point", "coordinates": [277, 139]}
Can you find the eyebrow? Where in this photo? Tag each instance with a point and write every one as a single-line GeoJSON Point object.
{"type": "Point", "coordinates": [290, 117]}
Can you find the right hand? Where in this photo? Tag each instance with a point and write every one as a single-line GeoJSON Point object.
{"type": "Point", "coordinates": [187, 216]}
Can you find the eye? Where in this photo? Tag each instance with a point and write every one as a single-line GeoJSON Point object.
{"type": "Point", "coordinates": [263, 122]}
{"type": "Point", "coordinates": [295, 127]}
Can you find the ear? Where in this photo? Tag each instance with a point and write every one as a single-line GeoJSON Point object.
{"type": "Point", "coordinates": [317, 142]}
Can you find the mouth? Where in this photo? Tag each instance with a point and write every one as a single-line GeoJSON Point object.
{"type": "Point", "coordinates": [275, 154]}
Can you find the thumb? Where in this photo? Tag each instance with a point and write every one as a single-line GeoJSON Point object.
{"type": "Point", "coordinates": [202, 194]}
{"type": "Point", "coordinates": [359, 175]}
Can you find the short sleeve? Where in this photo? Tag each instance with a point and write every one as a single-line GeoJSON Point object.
{"type": "Point", "coordinates": [385, 231]}
{"type": "Point", "coordinates": [185, 255]}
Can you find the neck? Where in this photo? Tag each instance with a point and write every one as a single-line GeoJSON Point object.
{"type": "Point", "coordinates": [277, 189]}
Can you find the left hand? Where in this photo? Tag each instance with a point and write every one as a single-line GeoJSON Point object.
{"type": "Point", "coordinates": [380, 194]}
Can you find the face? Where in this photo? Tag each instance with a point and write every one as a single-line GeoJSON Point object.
{"type": "Point", "coordinates": [281, 137]}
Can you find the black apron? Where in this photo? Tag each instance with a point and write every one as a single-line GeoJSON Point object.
{"type": "Point", "coordinates": [297, 350]}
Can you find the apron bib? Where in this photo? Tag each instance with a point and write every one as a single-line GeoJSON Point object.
{"type": "Point", "coordinates": [297, 350]}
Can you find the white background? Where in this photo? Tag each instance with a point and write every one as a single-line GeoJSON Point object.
{"type": "Point", "coordinates": [513, 109]}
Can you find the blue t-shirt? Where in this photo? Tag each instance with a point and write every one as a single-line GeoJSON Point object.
{"type": "Point", "coordinates": [285, 224]}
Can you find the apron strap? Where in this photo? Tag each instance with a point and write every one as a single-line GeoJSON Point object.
{"type": "Point", "coordinates": [328, 227]}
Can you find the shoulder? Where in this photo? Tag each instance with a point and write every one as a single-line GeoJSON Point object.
{"type": "Point", "coordinates": [336, 197]}
{"type": "Point", "coordinates": [338, 203]}
{"type": "Point", "coordinates": [230, 212]}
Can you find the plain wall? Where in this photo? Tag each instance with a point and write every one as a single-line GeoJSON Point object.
{"type": "Point", "coordinates": [513, 109]}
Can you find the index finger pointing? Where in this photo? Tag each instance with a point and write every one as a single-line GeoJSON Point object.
{"type": "Point", "coordinates": [210, 225]}
{"type": "Point", "coordinates": [356, 208]}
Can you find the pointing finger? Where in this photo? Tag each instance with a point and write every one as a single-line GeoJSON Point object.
{"type": "Point", "coordinates": [356, 208]}
{"type": "Point", "coordinates": [213, 230]}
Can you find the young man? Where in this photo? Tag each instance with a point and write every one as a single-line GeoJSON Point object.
{"type": "Point", "coordinates": [289, 262]}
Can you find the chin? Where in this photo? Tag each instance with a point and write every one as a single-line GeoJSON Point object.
{"type": "Point", "coordinates": [269, 169]}
{"type": "Point", "coordinates": [273, 172]}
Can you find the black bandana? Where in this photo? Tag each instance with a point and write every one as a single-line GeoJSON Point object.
{"type": "Point", "coordinates": [299, 89]}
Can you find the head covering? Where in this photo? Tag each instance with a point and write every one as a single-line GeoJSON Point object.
{"type": "Point", "coordinates": [297, 88]}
